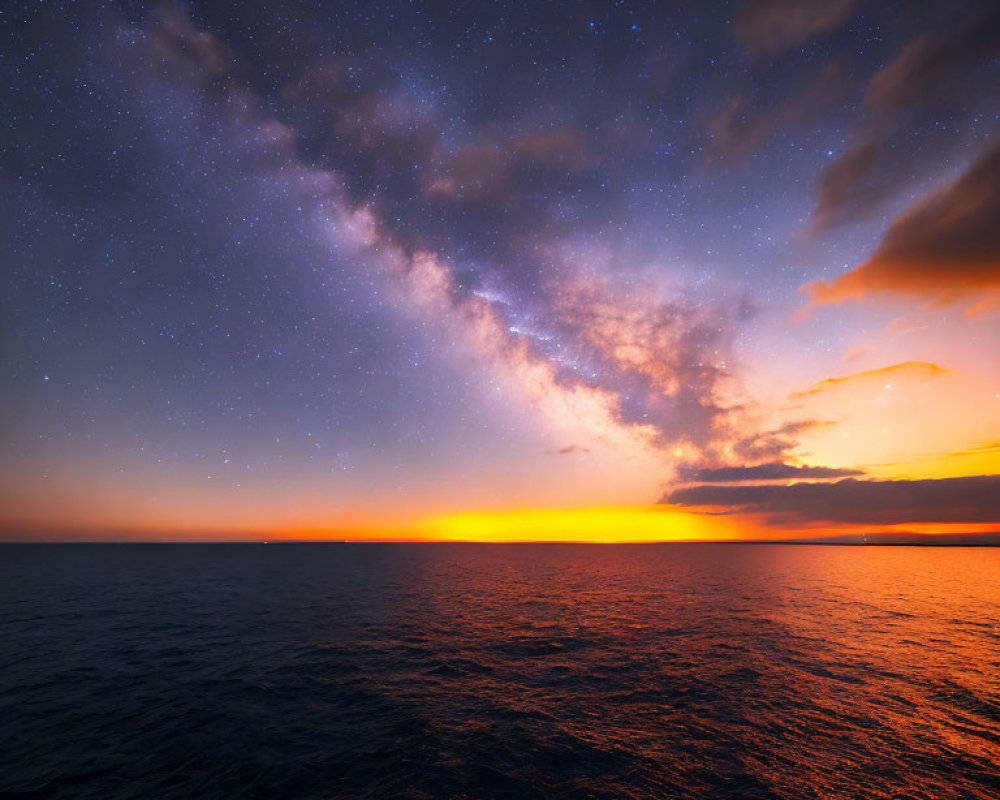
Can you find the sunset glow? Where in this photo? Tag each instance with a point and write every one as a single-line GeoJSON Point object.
{"type": "Point", "coordinates": [381, 284]}
{"type": "Point", "coordinates": [585, 524]}
{"type": "Point", "coordinates": [499, 400]}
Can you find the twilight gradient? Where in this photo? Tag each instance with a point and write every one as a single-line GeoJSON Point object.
{"type": "Point", "coordinates": [415, 270]}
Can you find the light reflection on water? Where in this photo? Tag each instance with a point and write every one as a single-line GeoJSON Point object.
{"type": "Point", "coordinates": [480, 671]}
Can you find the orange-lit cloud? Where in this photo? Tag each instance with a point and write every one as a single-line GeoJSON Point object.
{"type": "Point", "coordinates": [944, 250]}
{"type": "Point", "coordinates": [908, 369]}
{"type": "Point", "coordinates": [668, 358]}
{"type": "Point", "coordinates": [570, 449]}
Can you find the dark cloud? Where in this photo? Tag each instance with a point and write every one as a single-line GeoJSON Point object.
{"type": "Point", "coordinates": [570, 449]}
{"type": "Point", "coordinates": [373, 128]}
{"type": "Point", "coordinates": [562, 147]}
{"type": "Point", "coordinates": [492, 170]}
{"type": "Point", "coordinates": [740, 127]}
{"type": "Point", "coordinates": [928, 68]}
{"type": "Point", "coordinates": [937, 78]}
{"type": "Point", "coordinates": [773, 445]}
{"type": "Point", "coordinates": [183, 49]}
{"type": "Point", "coordinates": [969, 499]}
{"type": "Point", "coordinates": [857, 181]}
{"type": "Point", "coordinates": [771, 27]}
{"type": "Point", "coordinates": [775, 471]}
{"type": "Point", "coordinates": [943, 250]}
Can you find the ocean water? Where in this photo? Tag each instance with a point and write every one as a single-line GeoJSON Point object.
{"type": "Point", "coordinates": [499, 671]}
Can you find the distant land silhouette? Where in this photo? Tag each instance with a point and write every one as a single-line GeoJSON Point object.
{"type": "Point", "coordinates": [989, 539]}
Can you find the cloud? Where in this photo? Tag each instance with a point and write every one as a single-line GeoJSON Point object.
{"type": "Point", "coordinates": [772, 27]}
{"type": "Point", "coordinates": [854, 352]}
{"type": "Point", "coordinates": [488, 170]}
{"type": "Point", "coordinates": [978, 449]}
{"type": "Point", "coordinates": [775, 444]}
{"type": "Point", "coordinates": [184, 49]}
{"type": "Point", "coordinates": [967, 499]}
{"type": "Point", "coordinates": [560, 147]}
{"type": "Point", "coordinates": [943, 250]}
{"type": "Point", "coordinates": [775, 471]}
{"type": "Point", "coordinates": [570, 449]}
{"type": "Point", "coordinates": [737, 128]}
{"type": "Point", "coordinates": [933, 77]}
{"type": "Point", "coordinates": [857, 181]}
{"type": "Point", "coordinates": [665, 357]}
{"type": "Point", "coordinates": [904, 369]}
{"type": "Point", "coordinates": [926, 69]}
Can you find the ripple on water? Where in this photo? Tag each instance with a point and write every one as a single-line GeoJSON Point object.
{"type": "Point", "coordinates": [453, 671]}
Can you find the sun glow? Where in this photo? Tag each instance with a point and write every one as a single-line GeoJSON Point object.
{"type": "Point", "coordinates": [614, 524]}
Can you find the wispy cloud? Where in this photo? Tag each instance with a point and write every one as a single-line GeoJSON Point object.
{"type": "Point", "coordinates": [738, 127]}
{"type": "Point", "coordinates": [926, 69]}
{"type": "Point", "coordinates": [571, 449]}
{"type": "Point", "coordinates": [772, 444]}
{"type": "Point", "coordinates": [906, 369]}
{"type": "Point", "coordinates": [775, 471]}
{"type": "Point", "coordinates": [771, 27]}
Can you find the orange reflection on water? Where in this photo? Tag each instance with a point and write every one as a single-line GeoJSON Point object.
{"type": "Point", "coordinates": [688, 669]}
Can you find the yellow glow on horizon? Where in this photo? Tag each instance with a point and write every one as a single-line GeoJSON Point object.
{"type": "Point", "coordinates": [973, 461]}
{"type": "Point", "coordinates": [606, 524]}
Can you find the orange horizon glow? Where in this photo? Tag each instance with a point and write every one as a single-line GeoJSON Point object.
{"type": "Point", "coordinates": [595, 525]}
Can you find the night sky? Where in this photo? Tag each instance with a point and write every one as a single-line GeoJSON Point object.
{"type": "Point", "coordinates": [416, 269]}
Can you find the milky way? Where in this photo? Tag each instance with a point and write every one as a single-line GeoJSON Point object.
{"type": "Point", "coordinates": [280, 262]}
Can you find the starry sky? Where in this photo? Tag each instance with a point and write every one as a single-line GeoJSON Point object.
{"type": "Point", "coordinates": [550, 269]}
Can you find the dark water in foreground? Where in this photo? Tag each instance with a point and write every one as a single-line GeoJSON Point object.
{"type": "Point", "coordinates": [509, 671]}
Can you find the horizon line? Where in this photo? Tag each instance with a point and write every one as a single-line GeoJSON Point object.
{"type": "Point", "coordinates": [986, 539]}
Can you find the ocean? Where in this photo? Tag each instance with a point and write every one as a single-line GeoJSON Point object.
{"type": "Point", "coordinates": [499, 671]}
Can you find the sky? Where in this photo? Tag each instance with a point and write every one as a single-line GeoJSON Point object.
{"type": "Point", "coordinates": [497, 270]}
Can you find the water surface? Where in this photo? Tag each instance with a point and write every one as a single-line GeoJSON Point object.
{"type": "Point", "coordinates": [499, 671]}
